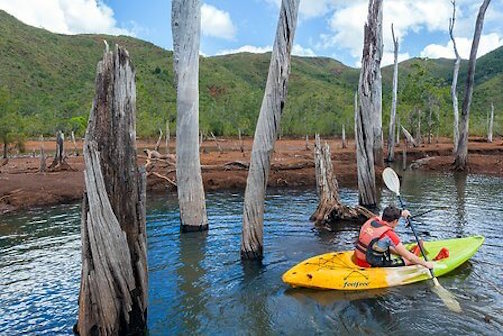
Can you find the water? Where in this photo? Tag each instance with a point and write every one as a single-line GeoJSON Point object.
{"type": "Point", "coordinates": [198, 285]}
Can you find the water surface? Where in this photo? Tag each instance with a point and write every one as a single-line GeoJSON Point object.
{"type": "Point", "coordinates": [198, 285]}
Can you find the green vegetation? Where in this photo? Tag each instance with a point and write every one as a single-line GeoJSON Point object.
{"type": "Point", "coordinates": [49, 79]}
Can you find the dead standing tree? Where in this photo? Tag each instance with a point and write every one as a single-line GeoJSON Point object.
{"type": "Point", "coordinates": [392, 124]}
{"type": "Point", "coordinates": [330, 210]}
{"type": "Point", "coordinates": [113, 290]}
{"type": "Point", "coordinates": [460, 164]}
{"type": "Point", "coordinates": [455, 73]}
{"type": "Point", "coordinates": [491, 122]}
{"type": "Point", "coordinates": [370, 94]}
{"type": "Point", "coordinates": [267, 131]}
{"type": "Point", "coordinates": [186, 26]}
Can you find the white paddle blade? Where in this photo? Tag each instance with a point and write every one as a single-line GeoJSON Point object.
{"type": "Point", "coordinates": [447, 297]}
{"type": "Point", "coordinates": [391, 180]}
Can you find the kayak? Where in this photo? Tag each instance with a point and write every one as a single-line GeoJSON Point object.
{"type": "Point", "coordinates": [337, 270]}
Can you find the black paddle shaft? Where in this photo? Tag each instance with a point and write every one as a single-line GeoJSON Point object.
{"type": "Point", "coordinates": [415, 235]}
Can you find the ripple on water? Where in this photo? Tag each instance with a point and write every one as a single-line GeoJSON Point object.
{"type": "Point", "coordinates": [198, 284]}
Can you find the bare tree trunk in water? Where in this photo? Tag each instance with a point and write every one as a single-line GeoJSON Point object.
{"type": "Point", "coordinates": [330, 210]}
{"type": "Point", "coordinates": [369, 110]}
{"type": "Point", "coordinates": [491, 122]}
{"type": "Point", "coordinates": [268, 125]}
{"type": "Point", "coordinates": [113, 289]}
{"type": "Point", "coordinates": [186, 26]}
{"type": "Point", "coordinates": [454, 95]}
{"type": "Point", "coordinates": [307, 142]}
{"type": "Point", "coordinates": [398, 133]}
{"type": "Point", "coordinates": [391, 133]}
{"type": "Point", "coordinates": [419, 138]}
{"type": "Point", "coordinates": [460, 164]}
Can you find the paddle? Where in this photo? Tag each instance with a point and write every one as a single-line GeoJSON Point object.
{"type": "Point", "coordinates": [393, 183]}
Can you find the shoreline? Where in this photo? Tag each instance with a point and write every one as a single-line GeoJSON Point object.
{"type": "Point", "coordinates": [22, 187]}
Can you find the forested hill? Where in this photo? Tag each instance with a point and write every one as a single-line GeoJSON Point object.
{"type": "Point", "coordinates": [50, 78]}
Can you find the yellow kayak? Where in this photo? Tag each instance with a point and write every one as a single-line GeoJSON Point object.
{"type": "Point", "coordinates": [336, 270]}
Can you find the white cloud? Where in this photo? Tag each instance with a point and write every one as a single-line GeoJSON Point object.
{"type": "Point", "coordinates": [216, 23]}
{"type": "Point", "coordinates": [388, 58]}
{"type": "Point", "coordinates": [297, 50]}
{"type": "Point", "coordinates": [246, 48]}
{"type": "Point", "coordinates": [65, 16]}
{"type": "Point", "coordinates": [487, 43]}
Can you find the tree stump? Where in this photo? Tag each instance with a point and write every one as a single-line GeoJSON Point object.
{"type": "Point", "coordinates": [113, 290]}
{"type": "Point", "coordinates": [330, 210]}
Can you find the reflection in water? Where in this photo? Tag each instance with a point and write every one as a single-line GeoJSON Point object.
{"type": "Point", "coordinates": [460, 184]}
{"type": "Point", "coordinates": [191, 281]}
{"type": "Point", "coordinates": [198, 284]}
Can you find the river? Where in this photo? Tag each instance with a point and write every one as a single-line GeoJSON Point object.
{"type": "Point", "coordinates": [198, 284]}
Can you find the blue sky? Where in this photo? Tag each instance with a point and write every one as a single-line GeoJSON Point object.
{"type": "Point", "coordinates": [332, 28]}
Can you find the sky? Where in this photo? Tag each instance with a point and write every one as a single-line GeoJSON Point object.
{"type": "Point", "coordinates": [330, 28]}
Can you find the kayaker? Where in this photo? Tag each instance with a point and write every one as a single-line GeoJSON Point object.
{"type": "Point", "coordinates": [378, 240]}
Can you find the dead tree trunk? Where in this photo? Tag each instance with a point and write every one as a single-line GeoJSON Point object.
{"type": "Point", "coordinates": [186, 26]}
{"type": "Point", "coordinates": [60, 152]}
{"type": "Point", "coordinates": [5, 150]}
{"type": "Point", "coordinates": [220, 150]}
{"type": "Point", "coordinates": [113, 289]}
{"type": "Point", "coordinates": [491, 121]}
{"type": "Point", "coordinates": [460, 163]}
{"type": "Point", "coordinates": [330, 210]}
{"type": "Point", "coordinates": [369, 110]}
{"type": "Point", "coordinates": [158, 143]}
{"type": "Point", "coordinates": [404, 158]}
{"type": "Point", "coordinates": [344, 144]}
{"type": "Point", "coordinates": [398, 133]}
{"type": "Point", "coordinates": [307, 142]}
{"type": "Point", "coordinates": [430, 125]}
{"type": "Point", "coordinates": [391, 132]}
{"type": "Point", "coordinates": [167, 137]}
{"type": "Point", "coordinates": [241, 146]}
{"type": "Point", "coordinates": [42, 168]}
{"type": "Point", "coordinates": [317, 171]}
{"type": "Point", "coordinates": [75, 151]}
{"type": "Point", "coordinates": [454, 84]}
{"type": "Point", "coordinates": [408, 138]}
{"type": "Point", "coordinates": [419, 138]}
{"type": "Point", "coordinates": [356, 119]}
{"type": "Point", "coordinates": [268, 125]}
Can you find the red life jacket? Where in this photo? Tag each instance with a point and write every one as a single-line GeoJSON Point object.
{"type": "Point", "coordinates": [373, 230]}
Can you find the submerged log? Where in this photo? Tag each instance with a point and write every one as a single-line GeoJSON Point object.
{"type": "Point", "coordinates": [113, 290]}
{"type": "Point", "coordinates": [330, 209]}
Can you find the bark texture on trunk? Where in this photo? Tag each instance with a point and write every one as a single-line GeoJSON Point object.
{"type": "Point", "coordinates": [392, 118]}
{"type": "Point", "coordinates": [113, 289]}
{"type": "Point", "coordinates": [460, 164]}
{"type": "Point", "coordinates": [186, 26]}
{"type": "Point", "coordinates": [454, 84]}
{"type": "Point", "coordinates": [369, 117]}
{"type": "Point", "coordinates": [491, 122]}
{"type": "Point", "coordinates": [266, 132]}
{"type": "Point", "coordinates": [330, 210]}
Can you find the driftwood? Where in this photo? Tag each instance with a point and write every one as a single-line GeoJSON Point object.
{"type": "Point", "coordinates": [460, 164]}
{"type": "Point", "coordinates": [163, 177]}
{"type": "Point", "coordinates": [4, 162]}
{"type": "Point", "coordinates": [457, 62]}
{"type": "Point", "coordinates": [186, 31]}
{"type": "Point", "coordinates": [113, 290]}
{"type": "Point", "coordinates": [330, 210]}
{"type": "Point", "coordinates": [369, 134]}
{"type": "Point", "coordinates": [266, 133]}
{"type": "Point", "coordinates": [408, 137]}
{"type": "Point", "coordinates": [392, 124]}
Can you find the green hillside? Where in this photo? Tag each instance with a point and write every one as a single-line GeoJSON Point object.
{"type": "Point", "coordinates": [49, 79]}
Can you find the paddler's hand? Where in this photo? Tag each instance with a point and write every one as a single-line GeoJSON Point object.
{"type": "Point", "coordinates": [406, 214]}
{"type": "Point", "coordinates": [429, 264]}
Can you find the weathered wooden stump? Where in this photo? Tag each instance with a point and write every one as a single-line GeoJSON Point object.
{"type": "Point", "coordinates": [330, 209]}
{"type": "Point", "coordinates": [113, 290]}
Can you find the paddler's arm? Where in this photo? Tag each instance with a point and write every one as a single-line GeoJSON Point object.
{"type": "Point", "coordinates": [412, 258]}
